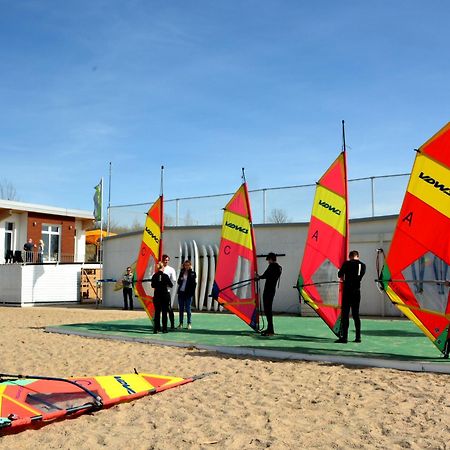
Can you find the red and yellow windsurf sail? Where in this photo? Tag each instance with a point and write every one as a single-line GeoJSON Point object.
{"type": "Point", "coordinates": [32, 402]}
{"type": "Point", "coordinates": [417, 266]}
{"type": "Point", "coordinates": [234, 284]}
{"type": "Point", "coordinates": [149, 254]}
{"type": "Point", "coordinates": [326, 245]}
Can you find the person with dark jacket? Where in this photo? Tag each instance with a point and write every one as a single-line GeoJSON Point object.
{"type": "Point", "coordinates": [351, 273]}
{"type": "Point", "coordinates": [186, 290]}
{"type": "Point", "coordinates": [29, 247]}
{"type": "Point", "coordinates": [161, 298]}
{"type": "Point", "coordinates": [271, 275]}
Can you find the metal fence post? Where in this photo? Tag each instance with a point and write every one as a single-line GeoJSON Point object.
{"type": "Point", "coordinates": [373, 195]}
{"type": "Point", "coordinates": [264, 205]}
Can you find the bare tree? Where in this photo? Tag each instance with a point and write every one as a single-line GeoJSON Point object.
{"type": "Point", "coordinates": [278, 216]}
{"type": "Point", "coordinates": [7, 190]}
{"type": "Point", "coordinates": [168, 220]}
{"type": "Point", "coordinates": [189, 220]}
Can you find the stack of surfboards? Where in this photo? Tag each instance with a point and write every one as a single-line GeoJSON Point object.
{"type": "Point", "coordinates": [203, 258]}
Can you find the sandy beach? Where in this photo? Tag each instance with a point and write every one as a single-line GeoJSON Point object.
{"type": "Point", "coordinates": [248, 404]}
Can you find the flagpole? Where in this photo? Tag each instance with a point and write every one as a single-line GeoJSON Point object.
{"type": "Point", "coordinates": [101, 222]}
{"type": "Point", "coordinates": [161, 195]}
{"type": "Point", "coordinates": [109, 202]}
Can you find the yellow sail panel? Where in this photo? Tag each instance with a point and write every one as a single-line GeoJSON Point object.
{"type": "Point", "coordinates": [152, 235]}
{"type": "Point", "coordinates": [119, 385]}
{"type": "Point", "coordinates": [330, 208]}
{"type": "Point", "coordinates": [237, 229]}
{"type": "Point", "coordinates": [430, 182]}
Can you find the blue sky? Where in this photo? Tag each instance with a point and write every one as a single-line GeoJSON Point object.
{"type": "Point", "coordinates": [207, 87]}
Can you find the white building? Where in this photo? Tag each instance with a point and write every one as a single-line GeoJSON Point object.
{"type": "Point", "coordinates": [48, 276]}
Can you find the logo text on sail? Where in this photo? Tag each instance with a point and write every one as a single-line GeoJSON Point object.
{"type": "Point", "coordinates": [437, 184]}
{"type": "Point", "coordinates": [149, 232]}
{"type": "Point", "coordinates": [330, 207]}
{"type": "Point", "coordinates": [233, 226]}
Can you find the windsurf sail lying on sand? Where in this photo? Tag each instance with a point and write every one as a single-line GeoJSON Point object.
{"type": "Point", "coordinates": [326, 245]}
{"type": "Point", "coordinates": [416, 268]}
{"type": "Point", "coordinates": [150, 253]}
{"type": "Point", "coordinates": [27, 402]}
{"type": "Point", "coordinates": [235, 286]}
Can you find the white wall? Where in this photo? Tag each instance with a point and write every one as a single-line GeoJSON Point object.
{"type": "Point", "coordinates": [11, 283]}
{"type": "Point", "coordinates": [28, 285]}
{"type": "Point", "coordinates": [366, 235]}
{"type": "Point", "coordinates": [80, 241]}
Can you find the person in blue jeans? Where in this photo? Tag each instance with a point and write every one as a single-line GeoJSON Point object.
{"type": "Point", "coordinates": [187, 281]}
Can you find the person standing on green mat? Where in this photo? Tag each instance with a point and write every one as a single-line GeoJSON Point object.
{"type": "Point", "coordinates": [351, 273]}
{"type": "Point", "coordinates": [271, 275]}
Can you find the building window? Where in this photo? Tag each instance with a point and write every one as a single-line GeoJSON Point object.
{"type": "Point", "coordinates": [51, 237]}
{"type": "Point", "coordinates": [9, 241]}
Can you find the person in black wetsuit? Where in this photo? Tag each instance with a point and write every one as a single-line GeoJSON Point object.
{"type": "Point", "coordinates": [351, 273]}
{"type": "Point", "coordinates": [161, 298]}
{"type": "Point", "coordinates": [271, 275]}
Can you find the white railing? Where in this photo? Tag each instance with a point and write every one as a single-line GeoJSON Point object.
{"type": "Point", "coordinates": [34, 257]}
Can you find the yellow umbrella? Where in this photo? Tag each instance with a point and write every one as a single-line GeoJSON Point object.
{"type": "Point", "coordinates": [93, 236]}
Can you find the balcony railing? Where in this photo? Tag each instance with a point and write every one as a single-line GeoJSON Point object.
{"type": "Point", "coordinates": [34, 257]}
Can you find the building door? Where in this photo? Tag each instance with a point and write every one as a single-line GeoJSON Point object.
{"type": "Point", "coordinates": [9, 241]}
{"type": "Point", "coordinates": [51, 238]}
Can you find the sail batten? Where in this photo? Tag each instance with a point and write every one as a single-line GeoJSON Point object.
{"type": "Point", "coordinates": [235, 287]}
{"type": "Point", "coordinates": [417, 265]}
{"type": "Point", "coordinates": [326, 245]}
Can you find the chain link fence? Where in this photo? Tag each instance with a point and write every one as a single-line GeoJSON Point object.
{"type": "Point", "coordinates": [368, 197]}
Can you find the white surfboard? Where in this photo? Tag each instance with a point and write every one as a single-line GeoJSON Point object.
{"type": "Point", "coordinates": [216, 255]}
{"type": "Point", "coordinates": [211, 275]}
{"type": "Point", "coordinates": [190, 256]}
{"type": "Point", "coordinates": [202, 277]}
{"type": "Point", "coordinates": [191, 251]}
{"type": "Point", "coordinates": [196, 264]}
{"type": "Point", "coordinates": [177, 267]}
{"type": "Point", "coordinates": [185, 252]}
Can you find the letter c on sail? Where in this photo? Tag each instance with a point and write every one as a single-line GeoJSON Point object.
{"type": "Point", "coordinates": [227, 250]}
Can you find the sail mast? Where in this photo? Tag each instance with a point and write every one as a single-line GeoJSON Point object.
{"type": "Point", "coordinates": [161, 196]}
{"type": "Point", "coordinates": [326, 245]}
{"type": "Point", "coordinates": [250, 218]}
{"type": "Point", "coordinates": [150, 252]}
{"type": "Point", "coordinates": [234, 282]}
{"type": "Point", "coordinates": [347, 219]}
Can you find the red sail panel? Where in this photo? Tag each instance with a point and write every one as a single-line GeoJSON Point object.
{"type": "Point", "coordinates": [149, 254]}
{"type": "Point", "coordinates": [418, 261]}
{"type": "Point", "coordinates": [234, 284]}
{"type": "Point", "coordinates": [326, 245]}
